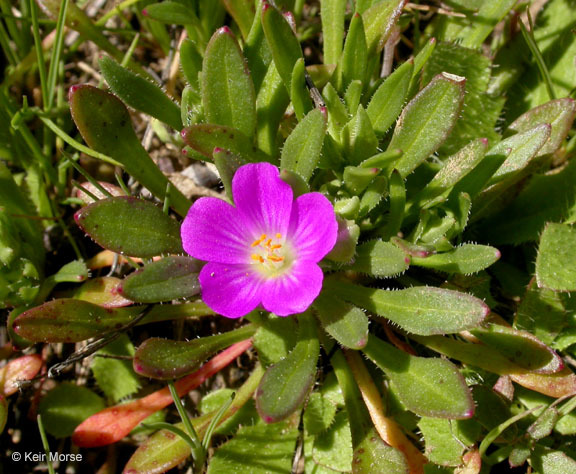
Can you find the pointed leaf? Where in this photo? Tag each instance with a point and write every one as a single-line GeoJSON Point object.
{"type": "Point", "coordinates": [428, 387]}
{"type": "Point", "coordinates": [301, 150]}
{"type": "Point", "coordinates": [418, 310]}
{"type": "Point", "coordinates": [556, 263]}
{"type": "Point", "coordinates": [299, 93]}
{"type": "Point", "coordinates": [427, 120]}
{"type": "Point", "coordinates": [521, 347]}
{"type": "Point", "coordinates": [130, 226]}
{"type": "Point", "coordinates": [558, 113]}
{"type": "Point", "coordinates": [140, 93]}
{"type": "Point", "coordinates": [167, 279]}
{"type": "Point", "coordinates": [227, 164]}
{"type": "Point", "coordinates": [333, 14]}
{"type": "Point", "coordinates": [379, 21]}
{"type": "Point", "coordinates": [389, 99]}
{"type": "Point", "coordinates": [352, 65]}
{"type": "Point", "coordinates": [171, 12]}
{"type": "Point", "coordinates": [243, 13]}
{"type": "Point", "coordinates": [344, 322]}
{"type": "Point", "coordinates": [165, 359]}
{"type": "Point", "coordinates": [191, 63]}
{"type": "Point", "coordinates": [282, 41]}
{"type": "Point", "coordinates": [105, 125]}
{"type": "Point", "coordinates": [227, 89]}
{"type": "Point", "coordinates": [466, 259]}
{"type": "Point", "coordinates": [70, 320]}
{"type": "Point", "coordinates": [359, 137]}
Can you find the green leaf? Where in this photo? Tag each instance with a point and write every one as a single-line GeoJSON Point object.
{"type": "Point", "coordinates": [227, 90]}
{"type": "Point", "coordinates": [555, 264]}
{"type": "Point", "coordinates": [375, 193]}
{"type": "Point", "coordinates": [333, 14]}
{"type": "Point", "coordinates": [243, 13]}
{"type": "Point", "coordinates": [299, 93]}
{"type": "Point", "coordinates": [66, 406]}
{"type": "Point", "coordinates": [418, 310]}
{"type": "Point", "coordinates": [466, 259]}
{"type": "Point", "coordinates": [454, 169]}
{"type": "Point", "coordinates": [3, 412]}
{"type": "Point", "coordinates": [258, 449]}
{"type": "Point", "coordinates": [105, 125]}
{"type": "Point", "coordinates": [427, 386]}
{"type": "Point", "coordinates": [356, 179]}
{"type": "Point", "coordinates": [333, 448]}
{"type": "Point", "coordinates": [286, 383]}
{"type": "Point", "coordinates": [70, 320]}
{"type": "Point", "coordinates": [359, 138]}
{"type": "Point", "coordinates": [275, 339]}
{"type": "Point", "coordinates": [427, 120]}
{"type": "Point", "coordinates": [191, 63]}
{"type": "Point", "coordinates": [101, 291]}
{"type": "Point", "coordinates": [166, 359]}
{"type": "Point", "coordinates": [337, 111]}
{"type": "Point", "coordinates": [319, 414]}
{"type": "Point", "coordinates": [115, 377]}
{"type": "Point", "coordinates": [520, 347]}
{"type": "Point", "coordinates": [374, 451]}
{"type": "Point", "coordinates": [164, 280]}
{"type": "Point", "coordinates": [354, 60]}
{"type": "Point", "coordinates": [282, 41]}
{"type": "Point", "coordinates": [547, 198]}
{"type": "Point", "coordinates": [378, 23]}
{"type": "Point", "coordinates": [388, 100]}
{"type": "Point", "coordinates": [130, 226]}
{"type": "Point", "coordinates": [445, 440]}
{"type": "Point", "coordinates": [74, 272]}
{"type": "Point", "coordinates": [558, 113]}
{"type": "Point", "coordinates": [171, 13]}
{"type": "Point", "coordinates": [380, 259]}
{"type": "Point", "coordinates": [523, 147]}
{"type": "Point", "coordinates": [397, 205]}
{"type": "Point", "coordinates": [301, 150]}
{"type": "Point", "coordinates": [344, 322]}
{"type": "Point", "coordinates": [481, 110]}
{"type": "Point", "coordinates": [140, 93]}
{"type": "Point", "coordinates": [548, 461]}
{"type": "Point", "coordinates": [544, 424]}
{"type": "Point", "coordinates": [227, 164]}
{"type": "Point", "coordinates": [205, 137]}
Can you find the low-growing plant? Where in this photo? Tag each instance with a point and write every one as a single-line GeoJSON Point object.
{"type": "Point", "coordinates": [387, 254]}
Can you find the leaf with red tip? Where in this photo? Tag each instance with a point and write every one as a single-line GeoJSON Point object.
{"type": "Point", "coordinates": [165, 359]}
{"type": "Point", "coordinates": [102, 291]}
{"type": "Point", "coordinates": [22, 368]}
{"type": "Point", "coordinates": [130, 226]}
{"type": "Point", "coordinates": [70, 320]}
{"type": "Point", "coordinates": [105, 124]}
{"type": "Point", "coordinates": [114, 423]}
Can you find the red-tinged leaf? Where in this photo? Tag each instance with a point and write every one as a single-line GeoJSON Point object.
{"type": "Point", "coordinates": [22, 368]}
{"type": "Point", "coordinates": [555, 385]}
{"type": "Point", "coordinates": [102, 291]}
{"type": "Point", "coordinates": [472, 463]}
{"type": "Point", "coordinates": [113, 423]}
{"type": "Point", "coordinates": [70, 320]}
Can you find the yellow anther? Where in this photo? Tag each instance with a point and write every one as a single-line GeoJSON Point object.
{"type": "Point", "coordinates": [257, 258]}
{"type": "Point", "coordinates": [259, 241]}
{"type": "Point", "coordinates": [275, 258]}
{"type": "Point", "coordinates": [278, 236]}
{"type": "Point", "coordinates": [274, 247]}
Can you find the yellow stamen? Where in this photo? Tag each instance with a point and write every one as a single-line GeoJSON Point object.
{"type": "Point", "coordinates": [257, 258]}
{"type": "Point", "coordinates": [275, 258]}
{"type": "Point", "coordinates": [259, 241]}
{"type": "Point", "coordinates": [278, 236]}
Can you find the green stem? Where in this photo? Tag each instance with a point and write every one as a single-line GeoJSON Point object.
{"type": "Point", "coordinates": [39, 50]}
{"type": "Point", "coordinates": [45, 444]}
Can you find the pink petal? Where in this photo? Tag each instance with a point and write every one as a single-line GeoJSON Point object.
{"type": "Point", "coordinates": [313, 227]}
{"type": "Point", "coordinates": [262, 198]}
{"type": "Point", "coordinates": [294, 291]}
{"type": "Point", "coordinates": [231, 290]}
{"type": "Point", "coordinates": [213, 231]}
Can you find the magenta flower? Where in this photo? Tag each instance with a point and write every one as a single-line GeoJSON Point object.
{"type": "Point", "coordinates": [263, 251]}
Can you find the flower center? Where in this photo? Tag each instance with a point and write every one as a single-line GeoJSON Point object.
{"type": "Point", "coordinates": [270, 253]}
